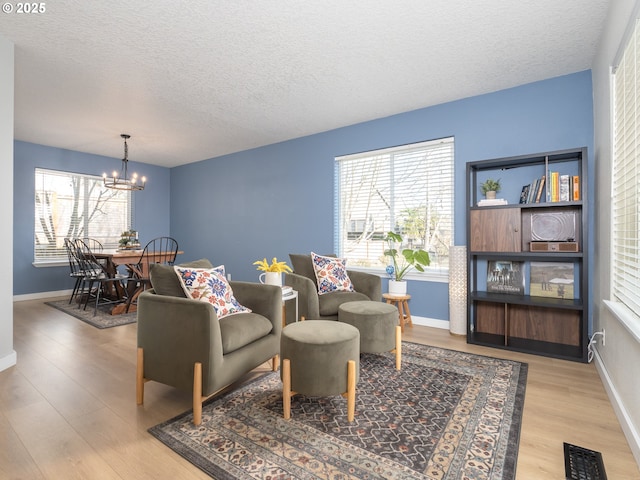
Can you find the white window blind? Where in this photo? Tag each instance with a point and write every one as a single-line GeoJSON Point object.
{"type": "Point", "coordinates": [407, 189]}
{"type": "Point", "coordinates": [626, 178]}
{"type": "Point", "coordinates": [76, 206]}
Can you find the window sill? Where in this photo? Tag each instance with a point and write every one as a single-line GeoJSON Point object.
{"type": "Point", "coordinates": [51, 263]}
{"type": "Point", "coordinates": [440, 275]}
{"type": "Point", "coordinates": [625, 317]}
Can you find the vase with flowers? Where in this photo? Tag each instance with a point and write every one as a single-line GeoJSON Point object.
{"type": "Point", "coordinates": [272, 272]}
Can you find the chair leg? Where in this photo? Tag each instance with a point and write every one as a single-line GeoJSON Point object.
{"type": "Point", "coordinates": [398, 350]}
{"type": "Point", "coordinates": [286, 388]}
{"type": "Point", "coordinates": [274, 363]}
{"type": "Point", "coordinates": [197, 393]}
{"type": "Point", "coordinates": [351, 390]}
{"type": "Point", "coordinates": [140, 377]}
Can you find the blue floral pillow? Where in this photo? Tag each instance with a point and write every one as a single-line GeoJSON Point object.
{"type": "Point", "coordinates": [210, 285]}
{"type": "Point", "coordinates": [331, 274]}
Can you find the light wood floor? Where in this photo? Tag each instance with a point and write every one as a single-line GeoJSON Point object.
{"type": "Point", "coordinates": [67, 409]}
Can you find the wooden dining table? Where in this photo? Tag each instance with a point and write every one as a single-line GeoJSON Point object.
{"type": "Point", "coordinates": [129, 259]}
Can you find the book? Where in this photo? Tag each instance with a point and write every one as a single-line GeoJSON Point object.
{"type": "Point", "coordinates": [540, 189]}
{"type": "Point", "coordinates": [524, 195]}
{"type": "Point", "coordinates": [551, 279]}
{"type": "Point", "coordinates": [505, 277]}
{"type": "Point", "coordinates": [576, 188]}
{"type": "Point", "coordinates": [554, 186]}
{"type": "Point", "coordinates": [565, 194]}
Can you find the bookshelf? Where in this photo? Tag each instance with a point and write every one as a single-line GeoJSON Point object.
{"type": "Point", "coordinates": [527, 258]}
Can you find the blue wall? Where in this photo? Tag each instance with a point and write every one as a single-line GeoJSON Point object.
{"type": "Point", "coordinates": [278, 199]}
{"type": "Point", "coordinates": [149, 216]}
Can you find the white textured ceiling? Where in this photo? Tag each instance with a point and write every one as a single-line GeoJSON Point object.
{"type": "Point", "coordinates": [194, 80]}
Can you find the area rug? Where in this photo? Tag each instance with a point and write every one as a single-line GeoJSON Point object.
{"type": "Point", "coordinates": [102, 319]}
{"type": "Point", "coordinates": [445, 415]}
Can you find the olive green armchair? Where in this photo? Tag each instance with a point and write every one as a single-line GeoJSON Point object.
{"type": "Point", "coordinates": [325, 307]}
{"type": "Point", "coordinates": [182, 343]}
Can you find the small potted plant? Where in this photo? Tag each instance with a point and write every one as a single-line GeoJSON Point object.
{"type": "Point", "coordinates": [402, 262]}
{"type": "Point", "coordinates": [129, 240]}
{"type": "Point", "coordinates": [490, 187]}
{"type": "Point", "coordinates": [272, 271]}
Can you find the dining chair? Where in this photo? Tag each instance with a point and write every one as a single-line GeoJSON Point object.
{"type": "Point", "coordinates": [75, 267]}
{"type": "Point", "coordinates": [161, 250]}
{"type": "Point", "coordinates": [94, 274]}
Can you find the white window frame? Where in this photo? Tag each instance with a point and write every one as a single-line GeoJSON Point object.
{"type": "Point", "coordinates": [625, 182]}
{"type": "Point", "coordinates": [101, 213]}
{"type": "Point", "coordinates": [442, 173]}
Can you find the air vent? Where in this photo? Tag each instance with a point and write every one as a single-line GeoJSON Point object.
{"type": "Point", "coordinates": [583, 464]}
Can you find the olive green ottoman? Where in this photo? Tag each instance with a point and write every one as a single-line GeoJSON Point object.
{"type": "Point", "coordinates": [378, 326]}
{"type": "Point", "coordinates": [320, 358]}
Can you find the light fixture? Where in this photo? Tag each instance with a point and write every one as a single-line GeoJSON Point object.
{"type": "Point", "coordinates": [122, 182]}
{"type": "Point", "coordinates": [458, 289]}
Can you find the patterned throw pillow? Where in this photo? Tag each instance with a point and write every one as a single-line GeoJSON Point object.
{"type": "Point", "coordinates": [210, 285]}
{"type": "Point", "coordinates": [331, 274]}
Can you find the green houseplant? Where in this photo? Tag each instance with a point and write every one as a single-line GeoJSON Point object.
{"type": "Point", "coordinates": [402, 261]}
{"type": "Point", "coordinates": [490, 185]}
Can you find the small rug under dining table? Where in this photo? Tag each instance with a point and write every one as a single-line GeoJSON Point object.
{"type": "Point", "coordinates": [445, 415]}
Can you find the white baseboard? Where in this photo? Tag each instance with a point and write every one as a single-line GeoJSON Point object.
{"type": "Point", "coordinates": [630, 432]}
{"type": "Point", "coordinates": [430, 322]}
{"type": "Point", "coordinates": [8, 361]}
{"type": "Point", "coordinates": [41, 295]}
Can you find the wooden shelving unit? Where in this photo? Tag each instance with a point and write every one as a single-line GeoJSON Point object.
{"type": "Point", "coordinates": [526, 318]}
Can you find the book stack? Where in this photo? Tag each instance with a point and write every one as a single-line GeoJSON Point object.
{"type": "Point", "coordinates": [492, 201]}
{"type": "Point", "coordinates": [533, 193]}
{"type": "Point", "coordinates": [563, 187]}
{"type": "Point", "coordinates": [287, 290]}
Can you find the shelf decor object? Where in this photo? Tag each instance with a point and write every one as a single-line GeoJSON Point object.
{"type": "Point", "coordinates": [528, 262]}
{"type": "Point", "coordinates": [458, 290]}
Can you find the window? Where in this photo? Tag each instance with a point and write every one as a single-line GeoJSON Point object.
{"type": "Point", "coordinates": [625, 202]}
{"type": "Point", "coordinates": [407, 189]}
{"type": "Point", "coordinates": [74, 205]}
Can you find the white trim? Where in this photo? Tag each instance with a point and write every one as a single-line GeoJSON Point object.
{"type": "Point", "coordinates": [8, 361]}
{"type": "Point", "coordinates": [624, 315]}
{"type": "Point", "coordinates": [430, 322]}
{"type": "Point", "coordinates": [41, 295]}
{"type": "Point", "coordinates": [438, 275]}
{"type": "Point", "coordinates": [632, 435]}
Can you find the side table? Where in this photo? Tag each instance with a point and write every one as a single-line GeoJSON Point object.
{"type": "Point", "coordinates": [402, 303]}
{"type": "Point", "coordinates": [293, 295]}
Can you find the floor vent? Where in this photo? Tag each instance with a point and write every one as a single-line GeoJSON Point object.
{"type": "Point", "coordinates": [583, 464]}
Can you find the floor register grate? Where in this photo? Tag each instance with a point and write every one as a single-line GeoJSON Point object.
{"type": "Point", "coordinates": [583, 464]}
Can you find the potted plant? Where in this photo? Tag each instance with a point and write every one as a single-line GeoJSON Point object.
{"type": "Point", "coordinates": [272, 271]}
{"type": "Point", "coordinates": [402, 262]}
{"type": "Point", "coordinates": [129, 240]}
{"type": "Point", "coordinates": [490, 187]}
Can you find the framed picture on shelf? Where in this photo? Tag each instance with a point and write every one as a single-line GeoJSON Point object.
{"type": "Point", "coordinates": [505, 277]}
{"type": "Point", "coordinates": [551, 279]}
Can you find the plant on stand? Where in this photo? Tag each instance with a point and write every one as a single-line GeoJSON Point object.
{"type": "Point", "coordinates": [402, 262]}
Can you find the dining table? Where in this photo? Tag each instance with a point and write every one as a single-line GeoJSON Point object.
{"type": "Point", "coordinates": [130, 259]}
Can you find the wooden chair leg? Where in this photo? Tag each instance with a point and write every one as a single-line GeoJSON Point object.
{"type": "Point", "coordinates": [197, 393]}
{"type": "Point", "coordinates": [140, 377]}
{"type": "Point", "coordinates": [351, 390]}
{"type": "Point", "coordinates": [398, 351]}
{"type": "Point", "coordinates": [286, 388]}
{"type": "Point", "coordinates": [401, 315]}
{"type": "Point", "coordinates": [275, 362]}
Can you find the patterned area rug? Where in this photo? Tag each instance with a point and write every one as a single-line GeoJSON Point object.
{"type": "Point", "coordinates": [102, 319]}
{"type": "Point", "coordinates": [445, 415]}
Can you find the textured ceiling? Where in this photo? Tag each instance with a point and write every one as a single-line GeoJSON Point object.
{"type": "Point", "coordinates": [194, 80]}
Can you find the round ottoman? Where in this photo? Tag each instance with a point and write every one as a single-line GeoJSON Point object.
{"type": "Point", "coordinates": [378, 326]}
{"type": "Point", "coordinates": [320, 358]}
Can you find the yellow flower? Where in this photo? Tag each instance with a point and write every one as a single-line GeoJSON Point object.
{"type": "Point", "coordinates": [275, 266]}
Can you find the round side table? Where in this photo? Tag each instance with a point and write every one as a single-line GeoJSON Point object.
{"type": "Point", "coordinates": [402, 303]}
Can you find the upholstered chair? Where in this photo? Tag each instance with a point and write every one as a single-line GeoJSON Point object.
{"type": "Point", "coordinates": [183, 343]}
{"type": "Point", "coordinates": [325, 307]}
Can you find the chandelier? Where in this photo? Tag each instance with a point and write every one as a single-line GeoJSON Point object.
{"type": "Point", "coordinates": [122, 182]}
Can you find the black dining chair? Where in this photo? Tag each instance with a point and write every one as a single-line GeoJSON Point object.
{"type": "Point", "coordinates": [96, 281]}
{"type": "Point", "coordinates": [161, 250]}
{"type": "Point", "coordinates": [75, 267]}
